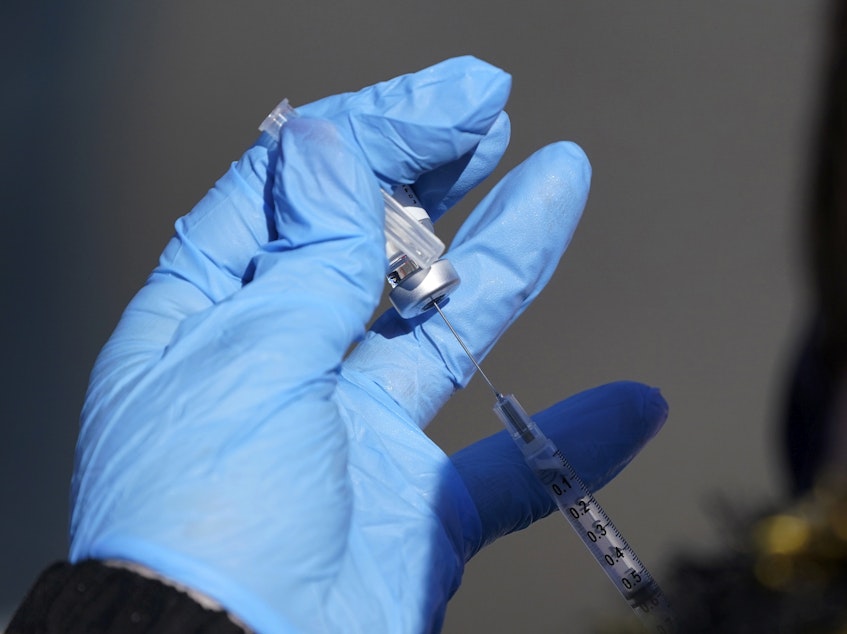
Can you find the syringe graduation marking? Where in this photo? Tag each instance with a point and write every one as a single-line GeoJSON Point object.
{"type": "Point", "coordinates": [576, 502]}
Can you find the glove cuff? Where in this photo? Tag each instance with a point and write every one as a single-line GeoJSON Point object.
{"type": "Point", "coordinates": [93, 597]}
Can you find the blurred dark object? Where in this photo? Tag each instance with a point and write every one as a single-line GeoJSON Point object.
{"type": "Point", "coordinates": [783, 571]}
{"type": "Point", "coordinates": [809, 423]}
{"type": "Point", "coordinates": [813, 421]}
{"type": "Point", "coordinates": [786, 571]}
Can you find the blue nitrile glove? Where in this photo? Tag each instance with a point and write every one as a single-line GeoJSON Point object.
{"type": "Point", "coordinates": [226, 444]}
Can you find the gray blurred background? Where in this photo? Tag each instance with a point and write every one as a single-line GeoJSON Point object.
{"type": "Point", "coordinates": [687, 271]}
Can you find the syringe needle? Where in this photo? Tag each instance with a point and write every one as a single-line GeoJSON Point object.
{"type": "Point", "coordinates": [467, 350]}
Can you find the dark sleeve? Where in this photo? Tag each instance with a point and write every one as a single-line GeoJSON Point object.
{"type": "Point", "coordinates": [92, 598]}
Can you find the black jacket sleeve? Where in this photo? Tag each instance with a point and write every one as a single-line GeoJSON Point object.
{"type": "Point", "coordinates": [92, 598]}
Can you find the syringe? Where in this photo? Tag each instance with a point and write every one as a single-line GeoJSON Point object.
{"type": "Point", "coordinates": [585, 515]}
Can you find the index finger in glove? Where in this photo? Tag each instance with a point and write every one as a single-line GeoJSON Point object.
{"type": "Point", "coordinates": [415, 123]}
{"type": "Point", "coordinates": [403, 127]}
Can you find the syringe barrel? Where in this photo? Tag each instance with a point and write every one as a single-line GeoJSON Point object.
{"type": "Point", "coordinates": [585, 515]}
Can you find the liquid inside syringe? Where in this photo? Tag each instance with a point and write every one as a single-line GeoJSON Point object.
{"type": "Point", "coordinates": [585, 515]}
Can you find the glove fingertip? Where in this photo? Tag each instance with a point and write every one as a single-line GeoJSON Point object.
{"type": "Point", "coordinates": [606, 427]}
{"type": "Point", "coordinates": [570, 162]}
{"type": "Point", "coordinates": [485, 74]}
{"type": "Point", "coordinates": [655, 412]}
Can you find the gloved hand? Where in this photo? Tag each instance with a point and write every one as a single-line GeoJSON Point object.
{"type": "Point", "coordinates": [226, 442]}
